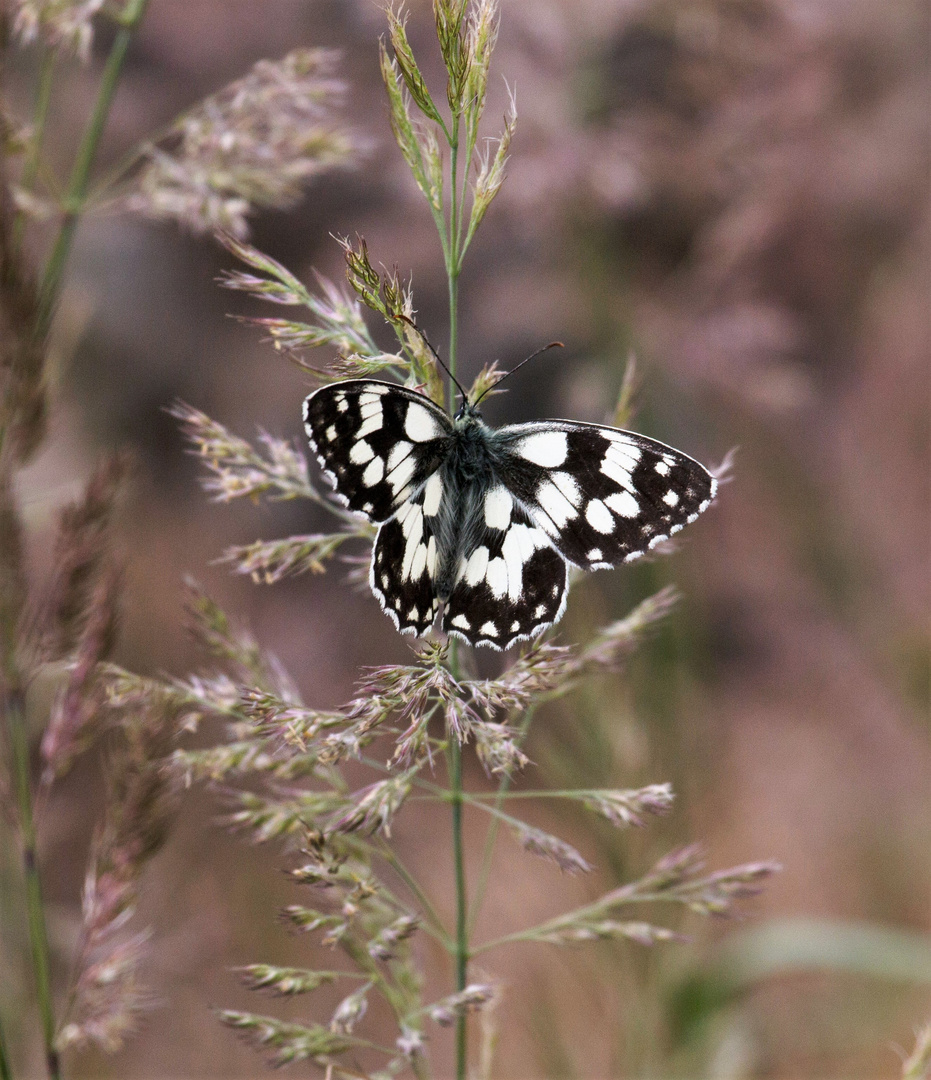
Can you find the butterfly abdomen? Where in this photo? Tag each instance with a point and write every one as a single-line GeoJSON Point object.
{"type": "Point", "coordinates": [467, 475]}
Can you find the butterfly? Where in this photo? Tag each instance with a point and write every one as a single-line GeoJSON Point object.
{"type": "Point", "coordinates": [484, 521]}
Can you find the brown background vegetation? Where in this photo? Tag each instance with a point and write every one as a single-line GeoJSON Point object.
{"type": "Point", "coordinates": [736, 191]}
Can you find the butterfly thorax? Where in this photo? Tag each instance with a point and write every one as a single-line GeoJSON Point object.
{"type": "Point", "coordinates": [467, 473]}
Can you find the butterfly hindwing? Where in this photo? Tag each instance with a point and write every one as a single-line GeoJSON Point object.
{"type": "Point", "coordinates": [512, 584]}
{"type": "Point", "coordinates": [404, 564]}
{"type": "Point", "coordinates": [602, 496]}
{"type": "Point", "coordinates": [378, 443]}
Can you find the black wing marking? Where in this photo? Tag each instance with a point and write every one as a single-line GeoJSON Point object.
{"type": "Point", "coordinates": [601, 495]}
{"type": "Point", "coordinates": [512, 585]}
{"type": "Point", "coordinates": [377, 443]}
{"type": "Point", "coordinates": [404, 564]}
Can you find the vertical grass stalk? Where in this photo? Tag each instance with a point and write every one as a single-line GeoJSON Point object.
{"type": "Point", "coordinates": [454, 751]}
{"type": "Point", "coordinates": [5, 1073]}
{"type": "Point", "coordinates": [76, 196]}
{"type": "Point", "coordinates": [38, 935]}
{"type": "Point", "coordinates": [31, 167]}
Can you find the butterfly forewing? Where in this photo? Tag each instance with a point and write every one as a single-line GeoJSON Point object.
{"type": "Point", "coordinates": [378, 443]}
{"type": "Point", "coordinates": [512, 584]}
{"type": "Point", "coordinates": [601, 495]}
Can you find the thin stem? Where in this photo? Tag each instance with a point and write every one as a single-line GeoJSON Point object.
{"type": "Point", "coordinates": [454, 752]}
{"type": "Point", "coordinates": [626, 894]}
{"type": "Point", "coordinates": [5, 1072]}
{"type": "Point", "coordinates": [453, 259]}
{"type": "Point", "coordinates": [453, 330]}
{"type": "Point", "coordinates": [435, 923]}
{"type": "Point", "coordinates": [31, 168]}
{"type": "Point", "coordinates": [76, 196]}
{"type": "Point", "coordinates": [491, 836]}
{"type": "Point", "coordinates": [38, 936]}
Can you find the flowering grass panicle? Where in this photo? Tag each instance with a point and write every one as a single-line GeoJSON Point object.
{"type": "Point", "coordinates": [404, 720]}
{"type": "Point", "coordinates": [256, 143]}
{"type": "Point", "coordinates": [328, 785]}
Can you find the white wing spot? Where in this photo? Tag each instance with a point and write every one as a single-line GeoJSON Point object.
{"type": "Point", "coordinates": [662, 467]}
{"type": "Point", "coordinates": [498, 503]}
{"type": "Point", "coordinates": [372, 417]}
{"type": "Point", "coordinates": [433, 495]}
{"type": "Point", "coordinates": [330, 433]}
{"type": "Point", "coordinates": [361, 453]}
{"type": "Point", "coordinates": [475, 568]}
{"type": "Point", "coordinates": [519, 545]}
{"type": "Point", "coordinates": [540, 609]}
{"type": "Point", "coordinates": [623, 504]}
{"type": "Point", "coordinates": [671, 498]}
{"type": "Point", "coordinates": [341, 403]}
{"type": "Point", "coordinates": [462, 622]}
{"type": "Point", "coordinates": [489, 628]}
{"type": "Point", "coordinates": [497, 577]}
{"type": "Point", "coordinates": [398, 453]}
{"type": "Point", "coordinates": [599, 516]}
{"type": "Point", "coordinates": [419, 425]}
{"type": "Point", "coordinates": [615, 471]}
{"type": "Point", "coordinates": [595, 555]}
{"type": "Point", "coordinates": [415, 551]}
{"type": "Point", "coordinates": [401, 473]}
{"type": "Point", "coordinates": [420, 562]}
{"type": "Point", "coordinates": [624, 452]}
{"type": "Point", "coordinates": [569, 487]}
{"type": "Point", "coordinates": [546, 448]}
{"type": "Point", "coordinates": [515, 626]}
{"type": "Point", "coordinates": [374, 472]}
{"type": "Point", "coordinates": [554, 503]}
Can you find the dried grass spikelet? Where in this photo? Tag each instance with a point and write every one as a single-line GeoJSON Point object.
{"type": "Point", "coordinates": [66, 25]}
{"type": "Point", "coordinates": [109, 996]}
{"type": "Point", "coordinates": [83, 550]}
{"type": "Point", "coordinates": [255, 143]}
{"type": "Point", "coordinates": [83, 698]}
{"type": "Point", "coordinates": [236, 468]}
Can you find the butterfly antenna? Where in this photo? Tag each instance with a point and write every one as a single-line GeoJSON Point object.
{"type": "Point", "coordinates": [465, 396]}
{"type": "Point", "coordinates": [508, 374]}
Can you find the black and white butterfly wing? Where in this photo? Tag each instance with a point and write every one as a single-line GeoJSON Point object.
{"type": "Point", "coordinates": [602, 496]}
{"type": "Point", "coordinates": [377, 443]}
{"type": "Point", "coordinates": [512, 584]}
{"type": "Point", "coordinates": [404, 562]}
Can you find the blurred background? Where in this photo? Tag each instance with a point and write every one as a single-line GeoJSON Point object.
{"type": "Point", "coordinates": [736, 191]}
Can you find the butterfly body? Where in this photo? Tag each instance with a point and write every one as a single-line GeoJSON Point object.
{"type": "Point", "coordinates": [485, 521]}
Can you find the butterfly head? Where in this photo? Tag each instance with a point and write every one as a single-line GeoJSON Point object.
{"type": "Point", "coordinates": [467, 413]}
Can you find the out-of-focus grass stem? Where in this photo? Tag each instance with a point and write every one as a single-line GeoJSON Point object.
{"type": "Point", "coordinates": [31, 167]}
{"type": "Point", "coordinates": [491, 836]}
{"type": "Point", "coordinates": [76, 196]}
{"type": "Point", "coordinates": [5, 1073]}
{"type": "Point", "coordinates": [454, 753]}
{"type": "Point", "coordinates": [38, 936]}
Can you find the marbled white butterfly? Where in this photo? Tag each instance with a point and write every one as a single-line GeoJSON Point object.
{"type": "Point", "coordinates": [486, 521]}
